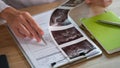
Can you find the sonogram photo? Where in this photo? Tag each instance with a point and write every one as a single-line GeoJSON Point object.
{"type": "Point", "coordinates": [63, 36]}
{"type": "Point", "coordinates": [72, 3]}
{"type": "Point", "coordinates": [78, 49]}
{"type": "Point", "coordinates": [59, 18]}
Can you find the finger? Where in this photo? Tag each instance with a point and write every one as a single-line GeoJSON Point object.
{"type": "Point", "coordinates": [23, 30]}
{"type": "Point", "coordinates": [33, 23]}
{"type": "Point", "coordinates": [35, 27]}
{"type": "Point", "coordinates": [27, 26]}
{"type": "Point", "coordinates": [16, 31]}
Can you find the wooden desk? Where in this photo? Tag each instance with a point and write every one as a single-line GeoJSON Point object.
{"type": "Point", "coordinates": [17, 60]}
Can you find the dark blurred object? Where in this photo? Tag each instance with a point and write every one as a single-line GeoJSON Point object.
{"type": "Point", "coordinates": [3, 61]}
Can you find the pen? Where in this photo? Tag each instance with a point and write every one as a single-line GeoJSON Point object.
{"type": "Point", "coordinates": [109, 22]}
{"type": "Point", "coordinates": [41, 37]}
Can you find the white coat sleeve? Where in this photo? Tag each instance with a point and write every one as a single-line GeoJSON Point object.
{"type": "Point", "coordinates": [2, 6]}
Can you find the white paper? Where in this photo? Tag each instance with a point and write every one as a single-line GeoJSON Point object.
{"type": "Point", "coordinates": [41, 55]}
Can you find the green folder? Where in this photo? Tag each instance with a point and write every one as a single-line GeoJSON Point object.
{"type": "Point", "coordinates": [107, 35]}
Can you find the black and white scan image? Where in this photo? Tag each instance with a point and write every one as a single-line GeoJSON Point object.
{"type": "Point", "coordinates": [78, 49]}
{"type": "Point", "coordinates": [59, 18]}
{"type": "Point", "coordinates": [71, 41]}
{"type": "Point", "coordinates": [63, 36]}
{"type": "Point", "coordinates": [72, 3]}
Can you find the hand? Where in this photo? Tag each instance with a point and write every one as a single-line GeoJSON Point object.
{"type": "Point", "coordinates": [100, 3]}
{"type": "Point", "coordinates": [22, 23]}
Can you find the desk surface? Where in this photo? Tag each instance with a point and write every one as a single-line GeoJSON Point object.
{"type": "Point", "coordinates": [17, 60]}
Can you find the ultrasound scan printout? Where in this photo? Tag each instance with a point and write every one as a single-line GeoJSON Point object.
{"type": "Point", "coordinates": [72, 3]}
{"type": "Point", "coordinates": [59, 18]}
{"type": "Point", "coordinates": [78, 49]}
{"type": "Point", "coordinates": [67, 35]}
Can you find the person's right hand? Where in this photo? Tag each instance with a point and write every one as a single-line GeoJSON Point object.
{"type": "Point", "coordinates": [99, 3]}
{"type": "Point", "coordinates": [22, 23]}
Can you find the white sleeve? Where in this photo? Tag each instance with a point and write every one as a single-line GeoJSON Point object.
{"type": "Point", "coordinates": [2, 5]}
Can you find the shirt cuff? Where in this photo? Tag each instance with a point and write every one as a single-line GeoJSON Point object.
{"type": "Point", "coordinates": [3, 6]}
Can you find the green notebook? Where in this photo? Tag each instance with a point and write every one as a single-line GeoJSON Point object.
{"type": "Point", "coordinates": [107, 35]}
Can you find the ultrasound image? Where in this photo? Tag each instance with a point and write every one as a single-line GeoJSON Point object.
{"type": "Point", "coordinates": [72, 3]}
{"type": "Point", "coordinates": [59, 18]}
{"type": "Point", "coordinates": [63, 36]}
{"type": "Point", "coordinates": [79, 49]}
